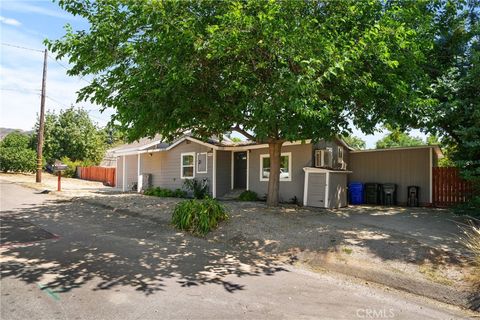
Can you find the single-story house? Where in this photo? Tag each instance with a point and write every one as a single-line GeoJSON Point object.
{"type": "Point", "coordinates": [313, 174]}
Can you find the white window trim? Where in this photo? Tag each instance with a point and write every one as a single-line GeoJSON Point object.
{"type": "Point", "coordinates": [206, 162]}
{"type": "Point", "coordinates": [288, 154]}
{"type": "Point", "coordinates": [182, 166]}
{"type": "Point", "coordinates": [340, 151]}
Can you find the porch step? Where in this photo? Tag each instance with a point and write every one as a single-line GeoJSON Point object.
{"type": "Point", "coordinates": [232, 195]}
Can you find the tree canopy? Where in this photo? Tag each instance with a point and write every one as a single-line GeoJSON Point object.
{"type": "Point", "coordinates": [72, 134]}
{"type": "Point", "coordinates": [16, 154]}
{"type": "Point", "coordinates": [397, 138]}
{"type": "Point", "coordinates": [272, 70]}
{"type": "Point", "coordinates": [354, 142]}
{"type": "Point", "coordinates": [454, 72]}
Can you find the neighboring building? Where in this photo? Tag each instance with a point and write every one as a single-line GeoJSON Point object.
{"type": "Point", "coordinates": [313, 174]}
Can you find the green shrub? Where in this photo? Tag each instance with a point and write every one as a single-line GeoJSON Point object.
{"type": "Point", "coordinates": [16, 155]}
{"type": "Point", "coordinates": [198, 188]}
{"type": "Point", "coordinates": [248, 195]}
{"type": "Point", "coordinates": [71, 171]}
{"type": "Point", "coordinates": [198, 216]}
{"type": "Point", "coordinates": [161, 192]}
{"type": "Point", "coordinates": [471, 207]}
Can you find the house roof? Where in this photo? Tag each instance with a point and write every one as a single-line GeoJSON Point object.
{"type": "Point", "coordinates": [435, 148]}
{"type": "Point", "coordinates": [156, 144]}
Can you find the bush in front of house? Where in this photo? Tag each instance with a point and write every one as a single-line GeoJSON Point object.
{"type": "Point", "coordinates": [198, 216]}
{"type": "Point", "coordinates": [248, 195]}
{"type": "Point", "coordinates": [199, 188]}
{"type": "Point", "coordinates": [162, 192]}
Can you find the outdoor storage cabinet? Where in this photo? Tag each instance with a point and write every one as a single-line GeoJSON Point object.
{"type": "Point", "coordinates": [325, 188]}
{"type": "Point", "coordinates": [372, 193]}
{"type": "Point", "coordinates": [389, 194]}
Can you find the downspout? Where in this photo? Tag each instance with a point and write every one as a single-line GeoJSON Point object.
{"type": "Point", "coordinates": [124, 179]}
{"type": "Point", "coordinates": [214, 174]}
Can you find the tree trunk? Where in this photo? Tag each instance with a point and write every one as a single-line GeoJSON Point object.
{"type": "Point", "coordinates": [275, 151]}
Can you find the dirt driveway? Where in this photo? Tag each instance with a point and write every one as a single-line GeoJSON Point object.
{"type": "Point", "coordinates": [413, 249]}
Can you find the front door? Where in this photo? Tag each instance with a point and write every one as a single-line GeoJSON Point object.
{"type": "Point", "coordinates": [240, 170]}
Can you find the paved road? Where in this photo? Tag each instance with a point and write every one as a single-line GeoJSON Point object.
{"type": "Point", "coordinates": [106, 265]}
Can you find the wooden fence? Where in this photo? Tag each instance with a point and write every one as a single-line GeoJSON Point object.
{"type": "Point", "coordinates": [448, 187]}
{"type": "Point", "coordinates": [102, 174]}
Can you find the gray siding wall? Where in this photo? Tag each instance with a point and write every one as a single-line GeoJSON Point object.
{"type": "Point", "coordinates": [337, 190]}
{"type": "Point", "coordinates": [224, 173]}
{"type": "Point", "coordinates": [323, 144]}
{"type": "Point", "coordinates": [165, 166]}
{"type": "Point", "coordinates": [403, 167]}
{"type": "Point", "coordinates": [131, 170]}
{"type": "Point", "coordinates": [119, 172]}
{"type": "Point", "coordinates": [301, 157]}
{"type": "Point", "coordinates": [316, 189]}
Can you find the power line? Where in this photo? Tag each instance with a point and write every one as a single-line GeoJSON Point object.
{"type": "Point", "coordinates": [20, 47]}
{"type": "Point", "coordinates": [37, 50]}
{"type": "Point", "coordinates": [32, 91]}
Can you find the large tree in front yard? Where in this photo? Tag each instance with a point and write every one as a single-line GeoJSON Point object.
{"type": "Point", "coordinates": [274, 71]}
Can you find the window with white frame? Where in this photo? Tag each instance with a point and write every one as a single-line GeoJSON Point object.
{"type": "Point", "coordinates": [285, 167]}
{"type": "Point", "coordinates": [188, 165]}
{"type": "Point", "coordinates": [340, 154]}
{"type": "Point", "coordinates": [202, 162]}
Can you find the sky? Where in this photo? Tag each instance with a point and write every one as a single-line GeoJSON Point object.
{"type": "Point", "coordinates": [26, 23]}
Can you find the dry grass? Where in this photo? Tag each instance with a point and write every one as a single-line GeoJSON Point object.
{"type": "Point", "coordinates": [471, 240]}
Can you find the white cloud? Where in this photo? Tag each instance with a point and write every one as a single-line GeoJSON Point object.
{"type": "Point", "coordinates": [10, 21]}
{"type": "Point", "coordinates": [24, 7]}
{"type": "Point", "coordinates": [20, 84]}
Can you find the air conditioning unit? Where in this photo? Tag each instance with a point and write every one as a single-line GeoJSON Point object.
{"type": "Point", "coordinates": [323, 158]}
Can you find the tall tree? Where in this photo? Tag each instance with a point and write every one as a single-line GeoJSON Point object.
{"type": "Point", "coordinates": [72, 134]}
{"type": "Point", "coordinates": [397, 138]}
{"type": "Point", "coordinates": [354, 142]}
{"type": "Point", "coordinates": [454, 70]}
{"type": "Point", "coordinates": [16, 154]}
{"type": "Point", "coordinates": [274, 71]}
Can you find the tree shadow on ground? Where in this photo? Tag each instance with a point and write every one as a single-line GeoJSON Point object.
{"type": "Point", "coordinates": [119, 250]}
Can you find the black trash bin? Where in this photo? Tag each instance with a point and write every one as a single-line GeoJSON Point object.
{"type": "Point", "coordinates": [372, 193]}
{"type": "Point", "coordinates": [389, 194]}
{"type": "Point", "coordinates": [412, 192]}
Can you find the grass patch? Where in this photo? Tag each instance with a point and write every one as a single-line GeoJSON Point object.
{"type": "Point", "coordinates": [434, 275]}
{"type": "Point", "coordinates": [161, 192]}
{"type": "Point", "coordinates": [248, 195]}
{"type": "Point", "coordinates": [347, 250]}
{"type": "Point", "coordinates": [198, 217]}
{"type": "Point", "coordinates": [471, 240]}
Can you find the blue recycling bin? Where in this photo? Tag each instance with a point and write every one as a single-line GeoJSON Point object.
{"type": "Point", "coordinates": [355, 191]}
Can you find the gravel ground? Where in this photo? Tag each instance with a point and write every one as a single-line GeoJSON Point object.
{"type": "Point", "coordinates": [418, 246]}
{"type": "Point", "coordinates": [413, 249]}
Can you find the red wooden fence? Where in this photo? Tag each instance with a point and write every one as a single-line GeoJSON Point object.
{"type": "Point", "coordinates": [102, 174]}
{"type": "Point", "coordinates": [448, 187]}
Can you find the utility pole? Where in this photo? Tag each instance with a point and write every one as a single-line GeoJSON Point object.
{"type": "Point", "coordinates": [41, 127]}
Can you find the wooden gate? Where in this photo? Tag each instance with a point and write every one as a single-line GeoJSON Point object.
{"type": "Point", "coordinates": [448, 187]}
{"type": "Point", "coordinates": [102, 174]}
